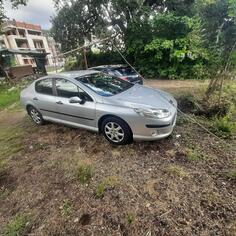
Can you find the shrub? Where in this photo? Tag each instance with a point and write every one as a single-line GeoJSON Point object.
{"type": "Point", "coordinates": [225, 126]}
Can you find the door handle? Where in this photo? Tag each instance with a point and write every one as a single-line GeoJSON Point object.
{"type": "Point", "coordinates": [35, 99]}
{"type": "Point", "coordinates": [59, 103]}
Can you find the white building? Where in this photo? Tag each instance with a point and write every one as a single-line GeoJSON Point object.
{"type": "Point", "coordinates": [23, 36]}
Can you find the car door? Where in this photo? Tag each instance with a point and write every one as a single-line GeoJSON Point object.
{"type": "Point", "coordinates": [44, 98]}
{"type": "Point", "coordinates": [83, 113]}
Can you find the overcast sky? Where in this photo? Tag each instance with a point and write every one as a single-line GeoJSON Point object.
{"type": "Point", "coordinates": [36, 12]}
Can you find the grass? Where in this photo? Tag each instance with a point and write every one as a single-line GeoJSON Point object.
{"type": "Point", "coordinates": [194, 155]}
{"type": "Point", "coordinates": [66, 208]}
{"type": "Point", "coordinates": [84, 173]}
{"type": "Point", "coordinates": [177, 171]}
{"type": "Point", "coordinates": [232, 174]}
{"type": "Point", "coordinates": [7, 97]}
{"type": "Point", "coordinates": [10, 140]}
{"type": "Point", "coordinates": [108, 182]}
{"type": "Point", "coordinates": [16, 226]}
{"type": "Point", "coordinates": [224, 126]}
{"type": "Point", "coordinates": [130, 218]}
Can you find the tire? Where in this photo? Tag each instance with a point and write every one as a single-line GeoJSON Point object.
{"type": "Point", "coordinates": [35, 115]}
{"type": "Point", "coordinates": [116, 131]}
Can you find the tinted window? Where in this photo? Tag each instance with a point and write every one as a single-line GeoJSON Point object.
{"type": "Point", "coordinates": [105, 85]}
{"type": "Point", "coordinates": [44, 86]}
{"type": "Point", "coordinates": [125, 71]}
{"type": "Point", "coordinates": [68, 89]}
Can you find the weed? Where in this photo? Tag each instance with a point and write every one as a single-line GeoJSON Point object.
{"type": "Point", "coordinates": [84, 173]}
{"type": "Point", "coordinates": [66, 208]}
{"type": "Point", "coordinates": [224, 126]}
{"type": "Point", "coordinates": [108, 182]}
{"type": "Point", "coordinates": [130, 218]}
{"type": "Point", "coordinates": [177, 171]}
{"type": "Point", "coordinates": [231, 174]}
{"type": "Point", "coordinates": [194, 155]}
{"type": "Point", "coordinates": [16, 226]}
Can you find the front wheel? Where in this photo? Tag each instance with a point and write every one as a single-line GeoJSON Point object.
{"type": "Point", "coordinates": [116, 131]}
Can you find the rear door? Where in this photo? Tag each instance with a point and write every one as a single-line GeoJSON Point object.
{"type": "Point", "coordinates": [83, 114]}
{"type": "Point", "coordinates": [44, 99]}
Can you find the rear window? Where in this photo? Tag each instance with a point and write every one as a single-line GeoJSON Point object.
{"type": "Point", "coordinates": [44, 86]}
{"type": "Point", "coordinates": [125, 71]}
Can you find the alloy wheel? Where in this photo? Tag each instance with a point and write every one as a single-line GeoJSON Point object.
{"type": "Point", "coordinates": [114, 132]}
{"type": "Point", "coordinates": [35, 116]}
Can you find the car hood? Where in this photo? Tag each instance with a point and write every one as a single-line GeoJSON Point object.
{"type": "Point", "coordinates": [140, 96]}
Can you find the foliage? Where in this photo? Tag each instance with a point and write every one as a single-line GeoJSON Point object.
{"type": "Point", "coordinates": [71, 63]}
{"type": "Point", "coordinates": [225, 126]}
{"type": "Point", "coordinates": [15, 4]}
{"type": "Point", "coordinates": [169, 39]}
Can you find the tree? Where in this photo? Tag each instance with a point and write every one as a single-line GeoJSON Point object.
{"type": "Point", "coordinates": [15, 4]}
{"type": "Point", "coordinates": [76, 22]}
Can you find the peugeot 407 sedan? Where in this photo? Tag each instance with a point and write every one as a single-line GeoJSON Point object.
{"type": "Point", "coordinates": [88, 99]}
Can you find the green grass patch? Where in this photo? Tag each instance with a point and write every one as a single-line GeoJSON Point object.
{"type": "Point", "coordinates": [84, 173]}
{"type": "Point", "coordinates": [108, 182]}
{"type": "Point", "coordinates": [66, 208]}
{"type": "Point", "coordinates": [8, 95]}
{"type": "Point", "coordinates": [17, 226]}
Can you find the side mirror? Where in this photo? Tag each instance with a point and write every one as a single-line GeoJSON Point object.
{"type": "Point", "coordinates": [76, 100]}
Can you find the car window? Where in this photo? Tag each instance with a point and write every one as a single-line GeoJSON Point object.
{"type": "Point", "coordinates": [68, 89]}
{"type": "Point", "coordinates": [105, 85]}
{"type": "Point", "coordinates": [125, 71]}
{"type": "Point", "coordinates": [44, 86]}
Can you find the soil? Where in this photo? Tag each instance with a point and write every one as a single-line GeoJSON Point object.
{"type": "Point", "coordinates": [156, 189]}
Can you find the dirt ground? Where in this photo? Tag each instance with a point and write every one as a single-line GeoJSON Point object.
{"type": "Point", "coordinates": [66, 181]}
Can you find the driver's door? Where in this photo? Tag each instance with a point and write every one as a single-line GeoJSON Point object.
{"type": "Point", "coordinates": [75, 113]}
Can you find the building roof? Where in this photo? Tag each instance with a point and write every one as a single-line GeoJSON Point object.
{"type": "Point", "coordinates": [20, 24]}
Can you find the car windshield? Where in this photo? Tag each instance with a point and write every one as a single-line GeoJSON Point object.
{"type": "Point", "coordinates": [125, 71]}
{"type": "Point", "coordinates": [105, 85]}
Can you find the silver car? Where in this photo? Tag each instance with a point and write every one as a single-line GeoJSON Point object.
{"type": "Point", "coordinates": [95, 101]}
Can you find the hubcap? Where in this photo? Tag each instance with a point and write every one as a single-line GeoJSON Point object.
{"type": "Point", "coordinates": [35, 116]}
{"type": "Point", "coordinates": [114, 132]}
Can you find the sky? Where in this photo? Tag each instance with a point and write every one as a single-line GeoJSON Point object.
{"type": "Point", "coordinates": [36, 12]}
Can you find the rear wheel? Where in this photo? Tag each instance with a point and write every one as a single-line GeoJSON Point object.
{"type": "Point", "coordinates": [116, 131]}
{"type": "Point", "coordinates": [35, 115]}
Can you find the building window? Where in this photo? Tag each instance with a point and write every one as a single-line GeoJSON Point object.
{"type": "Point", "coordinates": [26, 62]}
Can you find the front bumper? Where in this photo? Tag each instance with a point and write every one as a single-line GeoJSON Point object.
{"type": "Point", "coordinates": [150, 134]}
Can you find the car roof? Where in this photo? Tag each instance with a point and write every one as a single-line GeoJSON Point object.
{"type": "Point", "coordinates": [108, 66]}
{"type": "Point", "coordinates": [77, 73]}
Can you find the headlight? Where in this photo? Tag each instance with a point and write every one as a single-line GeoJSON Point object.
{"type": "Point", "coordinates": [153, 113]}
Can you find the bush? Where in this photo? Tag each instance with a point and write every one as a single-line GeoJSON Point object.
{"type": "Point", "coordinates": [224, 126]}
{"type": "Point", "coordinates": [71, 63]}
